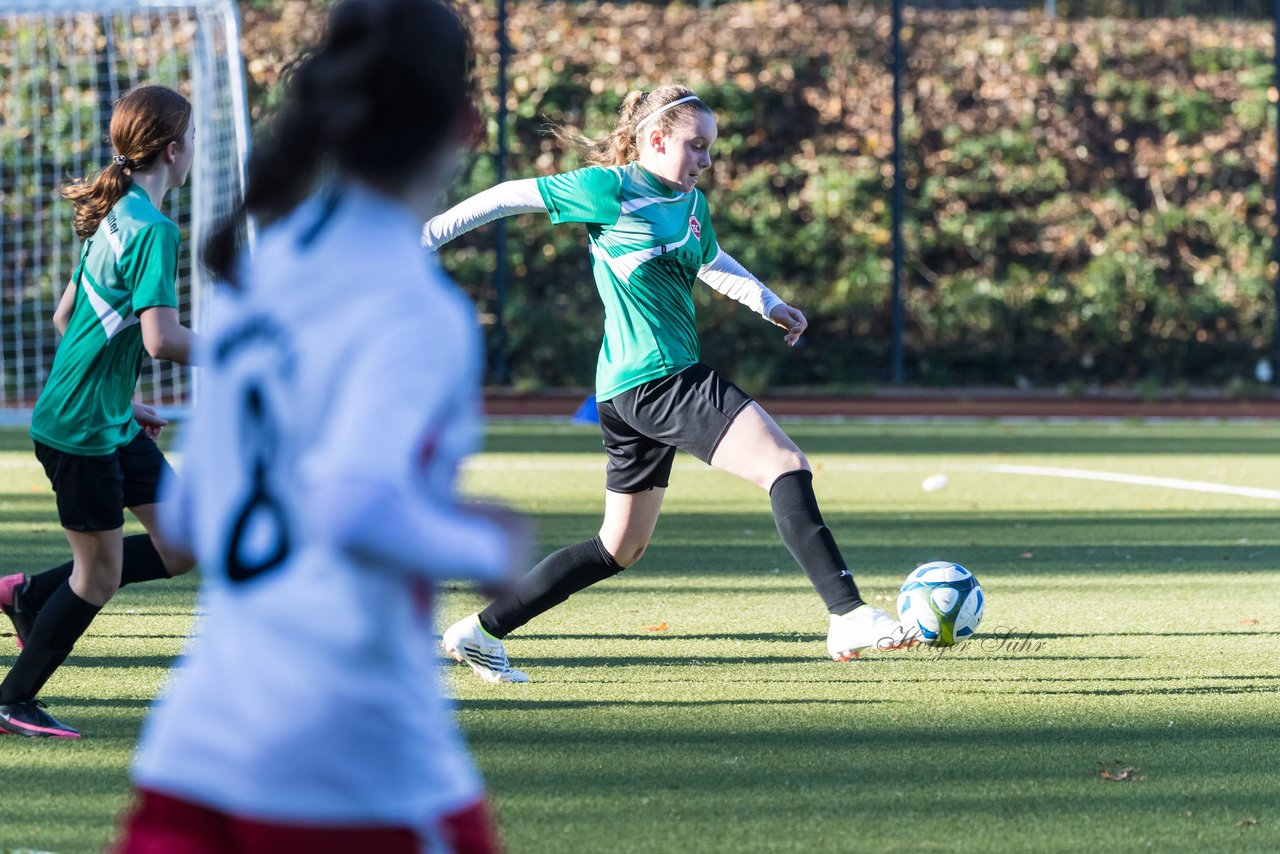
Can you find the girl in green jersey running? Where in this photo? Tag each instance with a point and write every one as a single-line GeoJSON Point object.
{"type": "Point", "coordinates": [95, 443]}
{"type": "Point", "coordinates": [651, 239]}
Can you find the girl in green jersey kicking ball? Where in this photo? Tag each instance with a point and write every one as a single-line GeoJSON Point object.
{"type": "Point", "coordinates": [95, 443]}
{"type": "Point", "coordinates": [650, 236]}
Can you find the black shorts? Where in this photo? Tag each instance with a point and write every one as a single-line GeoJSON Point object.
{"type": "Point", "coordinates": [92, 492]}
{"type": "Point", "coordinates": [643, 426]}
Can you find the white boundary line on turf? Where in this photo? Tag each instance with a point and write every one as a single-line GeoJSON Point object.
{"type": "Point", "coordinates": [995, 468]}
{"type": "Point", "coordinates": [1073, 474]}
{"type": "Point", "coordinates": [1140, 480]}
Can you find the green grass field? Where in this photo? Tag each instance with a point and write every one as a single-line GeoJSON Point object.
{"type": "Point", "coordinates": [1131, 628]}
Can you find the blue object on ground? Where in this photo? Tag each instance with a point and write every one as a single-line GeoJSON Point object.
{"type": "Point", "coordinates": [587, 413]}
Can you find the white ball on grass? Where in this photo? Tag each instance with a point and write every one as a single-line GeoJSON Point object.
{"type": "Point", "coordinates": [934, 482]}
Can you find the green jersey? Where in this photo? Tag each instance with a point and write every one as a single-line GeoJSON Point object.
{"type": "Point", "coordinates": [647, 245]}
{"type": "Point", "coordinates": [129, 264]}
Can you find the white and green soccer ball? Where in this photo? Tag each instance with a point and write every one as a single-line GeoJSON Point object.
{"type": "Point", "coordinates": [940, 603]}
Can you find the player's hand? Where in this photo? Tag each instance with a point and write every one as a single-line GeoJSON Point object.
{"type": "Point", "coordinates": [790, 319]}
{"type": "Point", "coordinates": [148, 419]}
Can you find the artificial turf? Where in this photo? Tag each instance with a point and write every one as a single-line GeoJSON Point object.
{"type": "Point", "coordinates": [1122, 691]}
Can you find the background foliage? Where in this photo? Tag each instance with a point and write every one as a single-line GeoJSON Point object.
{"type": "Point", "coordinates": [1088, 199]}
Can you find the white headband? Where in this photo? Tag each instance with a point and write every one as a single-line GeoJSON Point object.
{"type": "Point", "coordinates": [686, 99]}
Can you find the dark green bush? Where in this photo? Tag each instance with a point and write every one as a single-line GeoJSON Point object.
{"type": "Point", "coordinates": [1087, 200]}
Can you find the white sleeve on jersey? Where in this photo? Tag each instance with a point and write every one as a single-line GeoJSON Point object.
{"type": "Point", "coordinates": [381, 526]}
{"type": "Point", "coordinates": [380, 482]}
{"type": "Point", "coordinates": [177, 527]}
{"type": "Point", "coordinates": [176, 514]}
{"type": "Point", "coordinates": [507, 199]}
{"type": "Point", "coordinates": [726, 276]}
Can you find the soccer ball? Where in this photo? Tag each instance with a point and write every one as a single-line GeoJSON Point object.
{"type": "Point", "coordinates": [940, 603]}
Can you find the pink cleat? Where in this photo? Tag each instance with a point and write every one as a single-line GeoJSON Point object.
{"type": "Point", "coordinates": [29, 718]}
{"type": "Point", "coordinates": [11, 589]}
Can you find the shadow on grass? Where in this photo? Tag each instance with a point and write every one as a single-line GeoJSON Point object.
{"type": "Point", "coordinates": [718, 545]}
{"type": "Point", "coordinates": [1086, 635]}
{"type": "Point", "coordinates": [141, 635]}
{"type": "Point", "coordinates": [891, 659]}
{"type": "Point", "coordinates": [962, 687]}
{"type": "Point", "coordinates": [1152, 692]}
{"type": "Point", "coordinates": [623, 661]}
{"type": "Point", "coordinates": [122, 661]}
{"type": "Point", "coordinates": [657, 637]}
{"type": "Point", "coordinates": [475, 705]}
{"type": "Point", "coordinates": [67, 702]}
{"type": "Point", "coordinates": [975, 741]}
{"type": "Point", "coordinates": [801, 637]}
{"type": "Point", "coordinates": [910, 768]}
{"type": "Point", "coordinates": [1023, 679]}
{"type": "Point", "coordinates": [142, 594]}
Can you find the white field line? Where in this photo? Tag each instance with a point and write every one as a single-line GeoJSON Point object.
{"type": "Point", "coordinates": [993, 468]}
{"type": "Point", "coordinates": [1141, 480]}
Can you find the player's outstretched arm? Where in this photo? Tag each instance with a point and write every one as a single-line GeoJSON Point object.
{"type": "Point", "coordinates": [176, 514]}
{"type": "Point", "coordinates": [506, 199]}
{"type": "Point", "coordinates": [404, 533]}
{"type": "Point", "coordinates": [726, 276]}
{"type": "Point", "coordinates": [380, 481]}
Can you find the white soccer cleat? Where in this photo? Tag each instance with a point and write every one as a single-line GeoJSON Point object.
{"type": "Point", "coordinates": [864, 628]}
{"type": "Point", "coordinates": [468, 642]}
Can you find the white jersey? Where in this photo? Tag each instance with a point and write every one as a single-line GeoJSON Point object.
{"type": "Point", "coordinates": [310, 692]}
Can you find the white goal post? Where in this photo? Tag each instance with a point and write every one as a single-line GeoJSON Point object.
{"type": "Point", "coordinates": [63, 63]}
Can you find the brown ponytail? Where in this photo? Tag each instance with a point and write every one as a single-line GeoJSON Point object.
{"type": "Point", "coordinates": [143, 123]}
{"type": "Point", "coordinates": [620, 147]}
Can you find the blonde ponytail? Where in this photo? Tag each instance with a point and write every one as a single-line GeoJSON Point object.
{"type": "Point", "coordinates": [620, 147]}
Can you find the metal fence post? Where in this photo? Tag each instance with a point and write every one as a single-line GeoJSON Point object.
{"type": "Point", "coordinates": [896, 288]}
{"type": "Point", "coordinates": [1275, 241]}
{"type": "Point", "coordinates": [501, 364]}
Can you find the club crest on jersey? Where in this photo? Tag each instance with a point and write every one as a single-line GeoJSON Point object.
{"type": "Point", "coordinates": [695, 227]}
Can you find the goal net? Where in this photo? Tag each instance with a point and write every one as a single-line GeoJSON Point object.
{"type": "Point", "coordinates": [63, 64]}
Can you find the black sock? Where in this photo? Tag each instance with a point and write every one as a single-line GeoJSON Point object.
{"type": "Point", "coordinates": [799, 521]}
{"type": "Point", "coordinates": [62, 621]}
{"type": "Point", "coordinates": [555, 579]}
{"type": "Point", "coordinates": [141, 563]}
{"type": "Point", "coordinates": [40, 587]}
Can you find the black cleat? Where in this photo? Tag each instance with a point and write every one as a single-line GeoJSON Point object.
{"type": "Point", "coordinates": [29, 718]}
{"type": "Point", "coordinates": [12, 589]}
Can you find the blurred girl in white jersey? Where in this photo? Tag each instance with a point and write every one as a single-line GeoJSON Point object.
{"type": "Point", "coordinates": [650, 236]}
{"type": "Point", "coordinates": [340, 396]}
